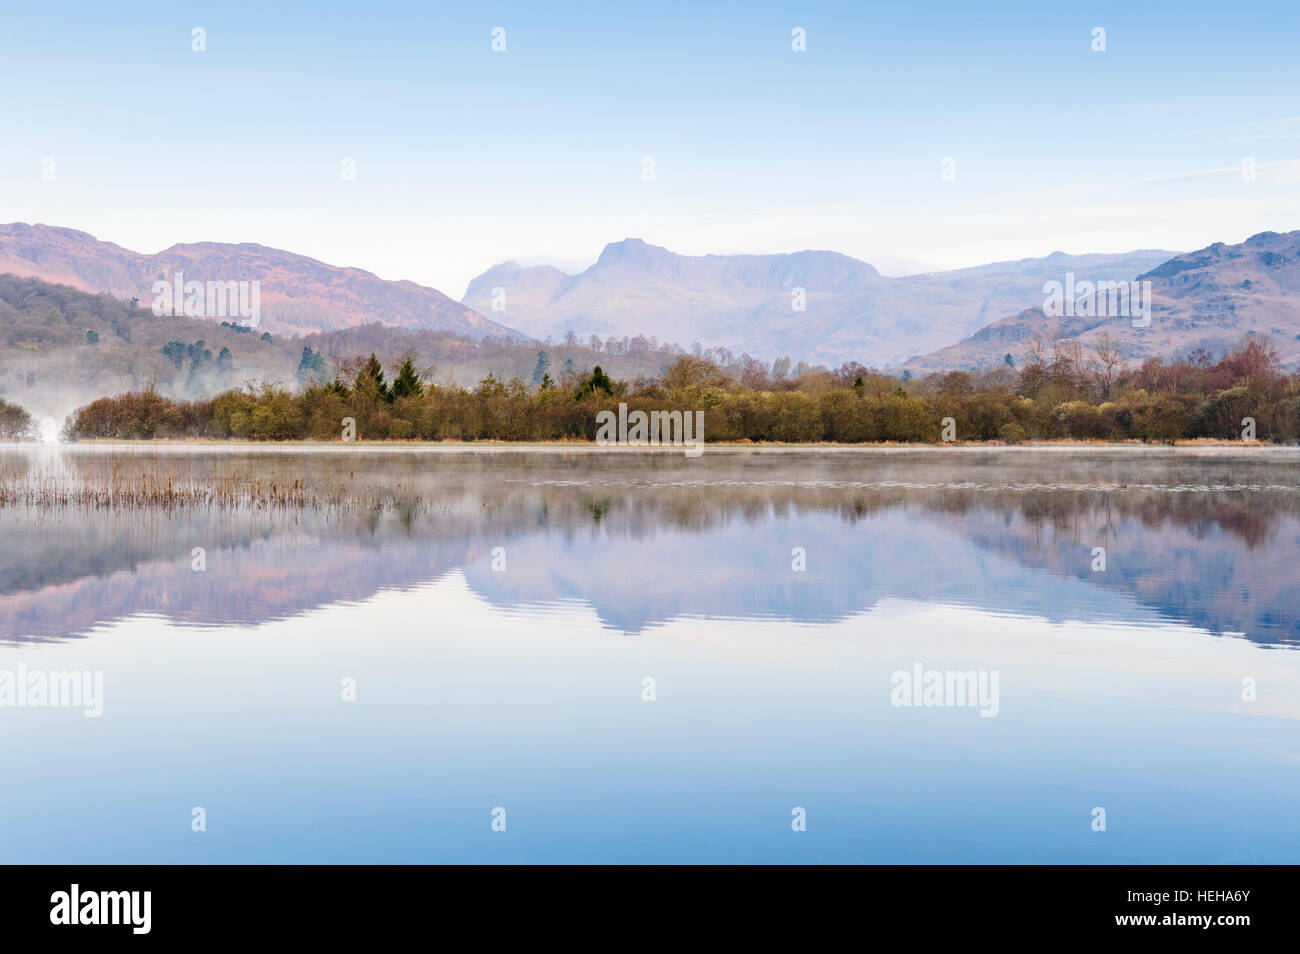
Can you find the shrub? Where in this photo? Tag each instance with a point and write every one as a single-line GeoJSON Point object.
{"type": "Point", "coordinates": [15, 422]}
{"type": "Point", "coordinates": [1011, 433]}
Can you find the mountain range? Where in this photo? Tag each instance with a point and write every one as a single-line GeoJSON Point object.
{"type": "Point", "coordinates": [299, 295]}
{"type": "Point", "coordinates": [817, 306]}
{"type": "Point", "coordinates": [1209, 299]}
{"type": "Point", "coordinates": [753, 302]}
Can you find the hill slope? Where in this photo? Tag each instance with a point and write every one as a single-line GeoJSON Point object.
{"type": "Point", "coordinates": [61, 347]}
{"type": "Point", "coordinates": [299, 295]}
{"type": "Point", "coordinates": [1207, 299]}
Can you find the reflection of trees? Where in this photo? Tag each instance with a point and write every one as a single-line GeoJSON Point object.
{"type": "Point", "coordinates": [1039, 512]}
{"type": "Point", "coordinates": [632, 495]}
{"type": "Point", "coordinates": [1246, 515]}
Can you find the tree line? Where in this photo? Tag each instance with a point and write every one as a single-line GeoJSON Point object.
{"type": "Point", "coordinates": [1058, 392]}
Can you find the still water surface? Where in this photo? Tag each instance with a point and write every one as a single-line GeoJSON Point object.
{"type": "Point", "coordinates": [501, 610]}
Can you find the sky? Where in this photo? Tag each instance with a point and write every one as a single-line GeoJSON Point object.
{"type": "Point", "coordinates": [465, 156]}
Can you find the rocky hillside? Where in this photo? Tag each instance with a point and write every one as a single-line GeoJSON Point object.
{"type": "Point", "coordinates": [1209, 299]}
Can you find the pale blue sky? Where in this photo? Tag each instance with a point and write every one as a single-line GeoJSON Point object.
{"type": "Point", "coordinates": [466, 157]}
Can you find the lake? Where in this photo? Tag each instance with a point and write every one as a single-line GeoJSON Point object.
{"type": "Point", "coordinates": [442, 654]}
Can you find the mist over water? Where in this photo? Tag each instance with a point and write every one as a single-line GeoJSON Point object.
{"type": "Point", "coordinates": [500, 609]}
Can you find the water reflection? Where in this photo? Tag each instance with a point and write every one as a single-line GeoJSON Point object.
{"type": "Point", "coordinates": [1205, 539]}
{"type": "Point", "coordinates": [478, 689]}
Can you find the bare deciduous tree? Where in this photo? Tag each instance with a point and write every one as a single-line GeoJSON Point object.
{"type": "Point", "coordinates": [1106, 363]}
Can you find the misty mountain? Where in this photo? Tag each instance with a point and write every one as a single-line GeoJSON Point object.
{"type": "Point", "coordinates": [61, 347]}
{"type": "Point", "coordinates": [817, 306]}
{"type": "Point", "coordinates": [1208, 299]}
{"type": "Point", "coordinates": [299, 295]}
{"type": "Point", "coordinates": [751, 302]}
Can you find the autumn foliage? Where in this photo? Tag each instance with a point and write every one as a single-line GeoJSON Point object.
{"type": "Point", "coordinates": [1067, 394]}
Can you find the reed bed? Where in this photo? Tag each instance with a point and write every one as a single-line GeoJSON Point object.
{"type": "Point", "coordinates": [134, 483]}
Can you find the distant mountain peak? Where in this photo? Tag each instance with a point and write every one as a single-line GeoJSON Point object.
{"type": "Point", "coordinates": [1207, 299]}
{"type": "Point", "coordinates": [635, 251]}
{"type": "Point", "coordinates": [1274, 238]}
{"type": "Point", "coordinates": [816, 305]}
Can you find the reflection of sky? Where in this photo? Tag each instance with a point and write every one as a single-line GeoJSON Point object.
{"type": "Point", "coordinates": [463, 706]}
{"type": "Point", "coordinates": [522, 689]}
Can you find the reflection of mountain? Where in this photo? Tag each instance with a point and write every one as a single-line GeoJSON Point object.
{"type": "Point", "coordinates": [743, 569]}
{"type": "Point", "coordinates": [1199, 573]}
{"type": "Point", "coordinates": [644, 541]}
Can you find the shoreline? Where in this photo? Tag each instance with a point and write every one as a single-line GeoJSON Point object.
{"type": "Point", "coordinates": [1205, 447]}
